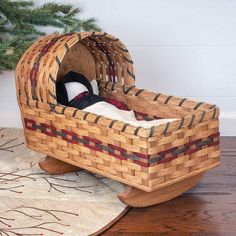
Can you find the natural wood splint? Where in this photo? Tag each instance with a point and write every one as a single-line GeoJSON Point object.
{"type": "Point", "coordinates": [145, 158]}
{"type": "Point", "coordinates": [137, 198]}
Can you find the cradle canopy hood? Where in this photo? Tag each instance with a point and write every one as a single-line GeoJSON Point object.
{"type": "Point", "coordinates": [96, 55]}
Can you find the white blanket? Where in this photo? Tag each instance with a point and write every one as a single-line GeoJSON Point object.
{"type": "Point", "coordinates": [112, 112]}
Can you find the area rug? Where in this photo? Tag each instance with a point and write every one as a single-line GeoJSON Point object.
{"type": "Point", "coordinates": [33, 202]}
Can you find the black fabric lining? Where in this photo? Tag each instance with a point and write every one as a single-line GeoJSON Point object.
{"type": "Point", "coordinates": [62, 96]}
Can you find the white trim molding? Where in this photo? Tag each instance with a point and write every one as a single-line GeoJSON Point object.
{"type": "Point", "coordinates": [228, 123]}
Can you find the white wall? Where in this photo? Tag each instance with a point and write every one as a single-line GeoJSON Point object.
{"type": "Point", "coordinates": [181, 47]}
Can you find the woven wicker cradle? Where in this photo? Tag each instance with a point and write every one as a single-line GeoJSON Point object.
{"type": "Point", "coordinates": [158, 163]}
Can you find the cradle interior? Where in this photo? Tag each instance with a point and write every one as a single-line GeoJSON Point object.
{"type": "Point", "coordinates": [78, 59]}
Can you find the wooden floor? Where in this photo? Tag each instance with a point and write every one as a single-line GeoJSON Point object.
{"type": "Point", "coordinates": [208, 209]}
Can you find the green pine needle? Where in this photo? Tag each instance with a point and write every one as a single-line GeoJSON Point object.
{"type": "Point", "coordinates": [20, 23]}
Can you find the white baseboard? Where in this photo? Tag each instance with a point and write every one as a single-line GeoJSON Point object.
{"type": "Point", "coordinates": [10, 119]}
{"type": "Point", "coordinates": [227, 122]}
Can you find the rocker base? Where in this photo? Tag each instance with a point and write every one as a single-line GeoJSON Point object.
{"type": "Point", "coordinates": [131, 196]}
{"type": "Point", "coordinates": [138, 198]}
{"type": "Point", "coordinates": [54, 166]}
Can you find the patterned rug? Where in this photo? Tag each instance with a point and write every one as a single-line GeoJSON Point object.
{"type": "Point", "coordinates": [33, 202]}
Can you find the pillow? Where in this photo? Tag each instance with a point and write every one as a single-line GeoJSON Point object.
{"type": "Point", "coordinates": [94, 86]}
{"type": "Point", "coordinates": [74, 88]}
{"type": "Point", "coordinates": [62, 96]}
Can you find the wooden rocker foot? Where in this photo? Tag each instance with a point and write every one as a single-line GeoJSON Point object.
{"type": "Point", "coordinates": [138, 198]}
{"type": "Point", "coordinates": [54, 166]}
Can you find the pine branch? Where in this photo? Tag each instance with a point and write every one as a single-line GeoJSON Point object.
{"type": "Point", "coordinates": [20, 23]}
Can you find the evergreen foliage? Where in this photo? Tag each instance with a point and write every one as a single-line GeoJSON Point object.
{"type": "Point", "coordinates": [21, 24]}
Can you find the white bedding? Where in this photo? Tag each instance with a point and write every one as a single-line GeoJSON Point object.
{"type": "Point", "coordinates": [112, 112]}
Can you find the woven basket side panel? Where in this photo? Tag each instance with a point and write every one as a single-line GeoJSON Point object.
{"type": "Point", "coordinates": [152, 108]}
{"type": "Point", "coordinates": [187, 112]}
{"type": "Point", "coordinates": [122, 156]}
{"type": "Point", "coordinates": [173, 101]}
{"type": "Point", "coordinates": [83, 144]}
{"type": "Point", "coordinates": [190, 151]}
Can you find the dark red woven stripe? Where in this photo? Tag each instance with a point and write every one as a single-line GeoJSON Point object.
{"type": "Point", "coordinates": [167, 159]}
{"type": "Point", "coordinates": [191, 151]}
{"type": "Point", "coordinates": [30, 124]}
{"type": "Point", "coordinates": [93, 140]}
{"type": "Point", "coordinates": [117, 156]}
{"type": "Point", "coordinates": [44, 50]}
{"type": "Point", "coordinates": [167, 151]}
{"type": "Point", "coordinates": [142, 163]}
{"type": "Point", "coordinates": [93, 147]}
{"type": "Point", "coordinates": [68, 136]}
{"type": "Point", "coordinates": [214, 143]}
{"type": "Point", "coordinates": [49, 130]}
{"type": "Point", "coordinates": [141, 155]}
{"type": "Point", "coordinates": [192, 143]}
{"type": "Point", "coordinates": [214, 135]}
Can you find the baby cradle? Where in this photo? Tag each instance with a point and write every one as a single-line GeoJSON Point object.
{"type": "Point", "coordinates": [157, 163]}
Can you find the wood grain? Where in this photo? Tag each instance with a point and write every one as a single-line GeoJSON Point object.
{"type": "Point", "coordinates": [54, 166]}
{"type": "Point", "coordinates": [138, 198]}
{"type": "Point", "coordinates": [207, 209]}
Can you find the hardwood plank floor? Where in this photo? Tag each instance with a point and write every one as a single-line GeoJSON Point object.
{"type": "Point", "coordinates": [207, 209]}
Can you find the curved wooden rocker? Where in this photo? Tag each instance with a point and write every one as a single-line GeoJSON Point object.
{"type": "Point", "coordinates": [56, 167]}
{"type": "Point", "coordinates": [131, 196]}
